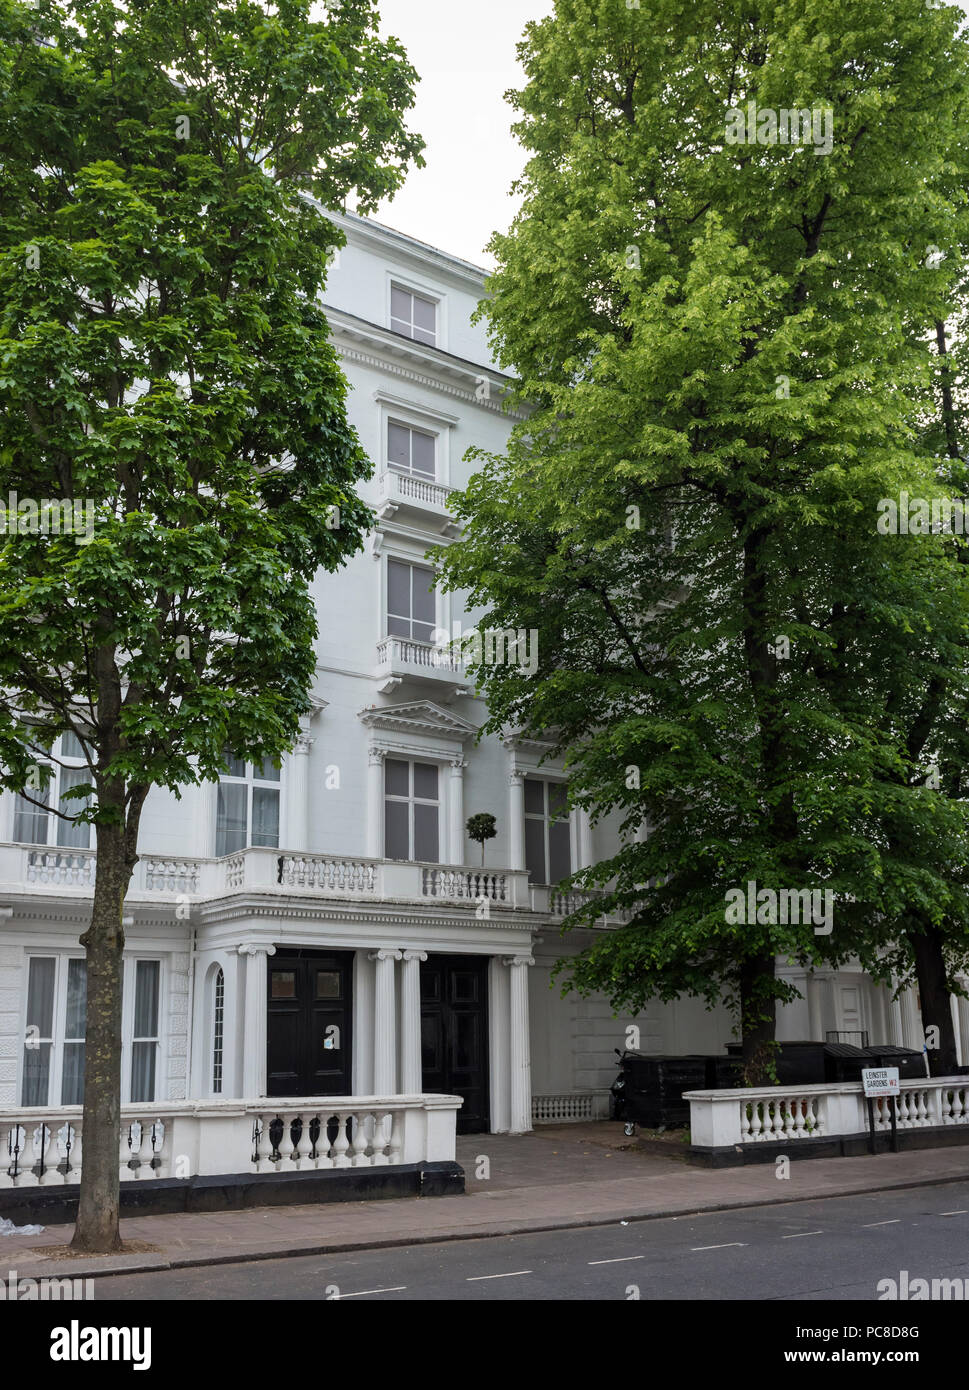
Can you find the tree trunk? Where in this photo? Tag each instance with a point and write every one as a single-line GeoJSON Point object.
{"type": "Point", "coordinates": [934, 995]}
{"type": "Point", "coordinates": [97, 1230]}
{"type": "Point", "coordinates": [758, 1019]}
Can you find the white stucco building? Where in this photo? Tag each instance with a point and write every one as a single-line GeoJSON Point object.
{"type": "Point", "coordinates": [324, 929]}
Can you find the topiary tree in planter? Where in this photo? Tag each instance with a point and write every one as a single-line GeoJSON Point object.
{"type": "Point", "coordinates": [480, 828]}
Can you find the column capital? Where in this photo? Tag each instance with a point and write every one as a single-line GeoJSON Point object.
{"type": "Point", "coordinates": [516, 777]}
{"type": "Point", "coordinates": [518, 960]}
{"type": "Point", "coordinates": [458, 765]}
{"type": "Point", "coordinates": [376, 756]}
{"type": "Point", "coordinates": [413, 955]}
{"type": "Point", "coordinates": [303, 743]}
{"type": "Point", "coordinates": [385, 953]}
{"type": "Point", "coordinates": [255, 948]}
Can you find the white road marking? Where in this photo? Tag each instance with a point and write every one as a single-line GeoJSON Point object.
{"type": "Point", "coordinates": [476, 1278]}
{"type": "Point", "coordinates": [397, 1288]}
{"type": "Point", "coordinates": [894, 1222]}
{"type": "Point", "coordinates": [964, 1212]}
{"type": "Point", "coordinates": [620, 1261]}
{"type": "Point", "coordinates": [798, 1234]}
{"type": "Point", "coordinates": [720, 1247]}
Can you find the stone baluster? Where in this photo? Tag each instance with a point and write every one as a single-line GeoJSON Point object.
{"type": "Point", "coordinates": [341, 1144]}
{"type": "Point", "coordinates": [305, 1146]}
{"type": "Point", "coordinates": [286, 1144]}
{"type": "Point", "coordinates": [396, 1137]}
{"type": "Point", "coordinates": [264, 1145]}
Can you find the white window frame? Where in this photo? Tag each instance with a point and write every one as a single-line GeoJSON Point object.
{"type": "Point", "coordinates": [407, 556]}
{"type": "Point", "coordinates": [539, 775]}
{"type": "Point", "coordinates": [54, 795]}
{"type": "Point", "coordinates": [410, 800]}
{"type": "Point", "coordinates": [414, 564]}
{"type": "Point", "coordinates": [410, 472]}
{"type": "Point", "coordinates": [399, 411]}
{"type": "Point", "coordinates": [250, 781]}
{"type": "Point", "coordinates": [56, 1075]}
{"type": "Point", "coordinates": [423, 291]}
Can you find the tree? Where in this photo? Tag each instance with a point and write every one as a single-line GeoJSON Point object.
{"type": "Point", "coordinates": [165, 363]}
{"type": "Point", "coordinates": [727, 347]}
{"type": "Point", "coordinates": [481, 828]}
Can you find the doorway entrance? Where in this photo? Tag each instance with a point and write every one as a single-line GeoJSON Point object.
{"type": "Point", "coordinates": [310, 1021]}
{"type": "Point", "coordinates": [454, 1035]}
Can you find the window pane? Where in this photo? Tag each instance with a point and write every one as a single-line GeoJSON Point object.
{"type": "Point", "coordinates": [72, 1078]}
{"type": "Point", "coordinates": [398, 627]}
{"type": "Point", "coordinates": [398, 445]}
{"type": "Point", "coordinates": [396, 777]}
{"type": "Point", "coordinates": [36, 1087]}
{"type": "Point", "coordinates": [535, 850]}
{"type": "Point", "coordinates": [71, 835]}
{"type": "Point", "coordinates": [234, 767]}
{"type": "Point", "coordinates": [230, 823]}
{"type": "Point", "coordinates": [328, 984]}
{"type": "Point", "coordinates": [396, 840]}
{"type": "Point", "coordinates": [400, 304]}
{"type": "Point", "coordinates": [40, 996]}
{"type": "Point", "coordinates": [423, 453]}
{"type": "Point", "coordinates": [421, 335]}
{"type": "Point", "coordinates": [282, 984]}
{"type": "Point", "coordinates": [425, 833]}
{"type": "Point", "coordinates": [265, 816]}
{"type": "Point", "coordinates": [534, 796]}
{"type": "Point", "coordinates": [146, 998]}
{"type": "Point", "coordinates": [422, 632]}
{"type": "Point", "coordinates": [424, 314]}
{"type": "Point", "coordinates": [143, 1071]}
{"type": "Point", "coordinates": [398, 588]}
{"type": "Point", "coordinates": [559, 853]}
{"type": "Point", "coordinates": [557, 799]}
{"type": "Point", "coordinates": [30, 822]}
{"type": "Point", "coordinates": [425, 781]}
{"type": "Point", "coordinates": [423, 595]}
{"type": "Point", "coordinates": [74, 1021]}
{"type": "Point", "coordinates": [71, 746]}
{"type": "Point", "coordinates": [265, 772]}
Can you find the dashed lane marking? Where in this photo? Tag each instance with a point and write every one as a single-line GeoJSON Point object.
{"type": "Point", "coordinates": [513, 1274]}
{"type": "Point", "coordinates": [397, 1288]}
{"type": "Point", "coordinates": [622, 1259]}
{"type": "Point", "coordinates": [727, 1246]}
{"type": "Point", "coordinates": [894, 1222]}
{"type": "Point", "coordinates": [798, 1234]}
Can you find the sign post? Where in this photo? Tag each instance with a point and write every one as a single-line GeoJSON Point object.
{"type": "Point", "coordinates": [881, 1081]}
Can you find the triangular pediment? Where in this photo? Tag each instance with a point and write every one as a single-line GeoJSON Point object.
{"type": "Point", "coordinates": [418, 717]}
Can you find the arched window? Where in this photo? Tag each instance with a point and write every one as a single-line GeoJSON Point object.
{"type": "Point", "coordinates": [218, 1015]}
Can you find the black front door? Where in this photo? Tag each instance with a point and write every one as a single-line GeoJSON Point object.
{"type": "Point", "coordinates": [309, 1022]}
{"type": "Point", "coordinates": [454, 1034]}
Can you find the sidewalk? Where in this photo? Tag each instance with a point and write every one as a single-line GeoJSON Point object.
{"type": "Point", "coordinates": [557, 1177]}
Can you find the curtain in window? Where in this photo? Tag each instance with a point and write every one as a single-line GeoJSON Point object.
{"type": "Point", "coordinates": [145, 1045]}
{"type": "Point", "coordinates": [40, 1026]}
{"type": "Point", "coordinates": [71, 835]}
{"type": "Point", "coordinates": [265, 816]}
{"type": "Point", "coordinates": [72, 1078]}
{"type": "Point", "coordinates": [230, 821]}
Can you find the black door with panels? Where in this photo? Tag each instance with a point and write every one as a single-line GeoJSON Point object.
{"type": "Point", "coordinates": [310, 1022]}
{"type": "Point", "coordinates": [454, 1035]}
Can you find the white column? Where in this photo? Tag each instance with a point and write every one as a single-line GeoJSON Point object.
{"type": "Point", "coordinates": [895, 1017]}
{"type": "Point", "coordinates": [962, 1005]}
{"type": "Point", "coordinates": [813, 986]}
{"type": "Point", "coordinates": [956, 1024]}
{"type": "Point", "coordinates": [384, 1029]}
{"type": "Point", "coordinates": [585, 837]}
{"type": "Point", "coordinates": [411, 1077]}
{"type": "Point", "coordinates": [516, 819]}
{"type": "Point", "coordinates": [256, 1018]}
{"type": "Point", "coordinates": [519, 1046]}
{"type": "Point", "coordinates": [456, 812]}
{"type": "Point", "coordinates": [298, 828]}
{"type": "Point", "coordinates": [375, 804]}
{"type": "Point", "coordinates": [911, 1029]}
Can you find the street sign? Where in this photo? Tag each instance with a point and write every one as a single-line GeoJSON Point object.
{"type": "Point", "coordinates": [880, 1081]}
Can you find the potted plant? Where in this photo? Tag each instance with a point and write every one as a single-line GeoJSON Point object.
{"type": "Point", "coordinates": [480, 828]}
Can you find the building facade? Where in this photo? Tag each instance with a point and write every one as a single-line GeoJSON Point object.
{"type": "Point", "coordinates": [327, 928]}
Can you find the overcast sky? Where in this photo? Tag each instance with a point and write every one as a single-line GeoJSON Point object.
{"type": "Point", "coordinates": [465, 54]}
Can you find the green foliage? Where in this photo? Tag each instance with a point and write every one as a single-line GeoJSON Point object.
{"type": "Point", "coordinates": [731, 355]}
{"type": "Point", "coordinates": [165, 361]}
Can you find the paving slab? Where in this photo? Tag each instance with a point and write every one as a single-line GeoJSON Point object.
{"type": "Point", "coordinates": [555, 1178]}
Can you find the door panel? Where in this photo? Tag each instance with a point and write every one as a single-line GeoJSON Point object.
{"type": "Point", "coordinates": [310, 1020]}
{"type": "Point", "coordinates": [454, 1035]}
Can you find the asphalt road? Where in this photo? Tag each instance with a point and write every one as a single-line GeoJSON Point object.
{"type": "Point", "coordinates": [838, 1248]}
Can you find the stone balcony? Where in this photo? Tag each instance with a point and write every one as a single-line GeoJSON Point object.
{"type": "Point", "coordinates": [402, 658]}
{"type": "Point", "coordinates": [417, 501]}
{"type": "Point", "coordinates": [55, 872]}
